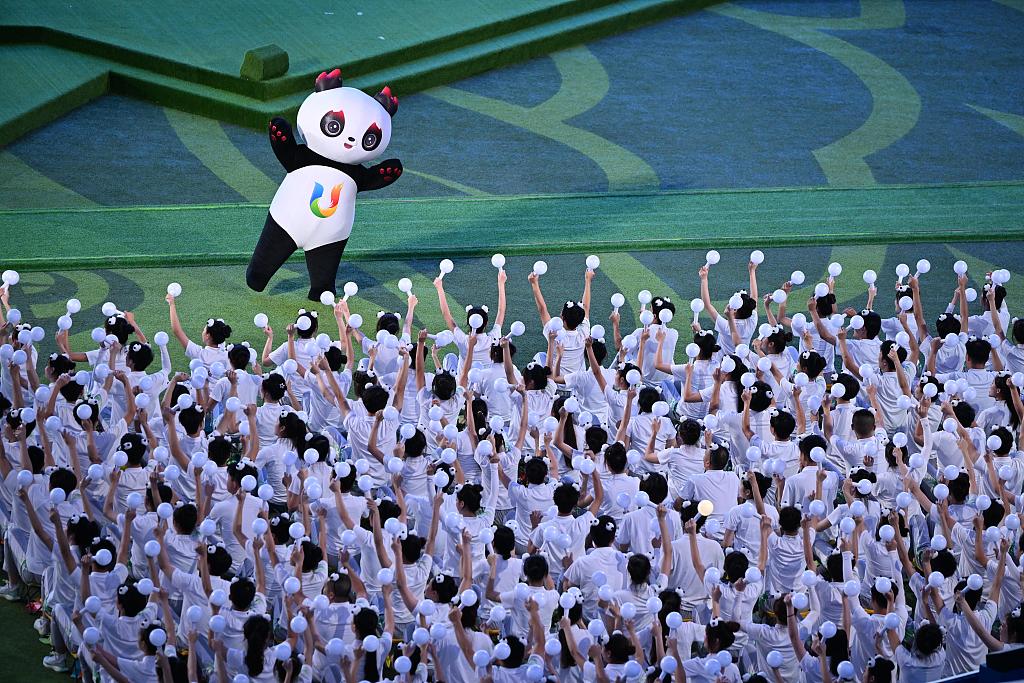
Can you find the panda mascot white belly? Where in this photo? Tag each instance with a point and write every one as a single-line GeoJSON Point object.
{"type": "Point", "coordinates": [315, 205]}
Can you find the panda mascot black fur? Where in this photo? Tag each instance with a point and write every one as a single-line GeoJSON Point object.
{"type": "Point", "coordinates": [313, 209]}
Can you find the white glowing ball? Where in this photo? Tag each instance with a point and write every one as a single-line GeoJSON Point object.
{"type": "Point", "coordinates": [817, 508]}
{"type": "Point", "coordinates": [820, 290]}
{"type": "Point", "coordinates": [906, 303]}
{"type": "Point", "coordinates": [936, 579]}
{"type": "Point", "coordinates": [735, 302]}
{"type": "Point", "coordinates": [540, 267]}
{"type": "Point", "coordinates": [618, 300]}
{"type": "Point", "coordinates": [593, 262]}
{"type": "Point", "coordinates": [498, 261]}
{"type": "Point", "coordinates": [845, 670]}
{"type": "Point", "coordinates": [800, 601]}
{"type": "Point", "coordinates": [646, 317]}
{"type": "Point", "coordinates": [779, 296]}
{"type": "Point", "coordinates": [757, 257]}
{"type": "Point", "coordinates": [941, 492]}
{"type": "Point", "coordinates": [971, 293]}
{"type": "Point", "coordinates": [327, 298]}
{"type": "Point", "coordinates": [91, 636]}
{"type": "Point", "coordinates": [712, 257]}
{"type": "Point", "coordinates": [351, 289]}
{"type": "Point", "coordinates": [827, 629]}
{"type": "Point", "coordinates": [902, 270]}
{"type": "Point", "coordinates": [774, 659]}
{"type": "Point", "coordinates": [446, 266]}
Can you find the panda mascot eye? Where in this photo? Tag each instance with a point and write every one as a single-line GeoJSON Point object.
{"type": "Point", "coordinates": [371, 138]}
{"type": "Point", "coordinates": [333, 123]}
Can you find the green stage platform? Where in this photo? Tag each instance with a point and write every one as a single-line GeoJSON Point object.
{"type": "Point", "coordinates": [406, 228]}
{"type": "Point", "coordinates": [188, 55]}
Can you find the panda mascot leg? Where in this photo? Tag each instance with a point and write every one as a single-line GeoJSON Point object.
{"type": "Point", "coordinates": [322, 265]}
{"type": "Point", "coordinates": [273, 249]}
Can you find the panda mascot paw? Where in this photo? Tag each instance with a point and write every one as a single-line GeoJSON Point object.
{"type": "Point", "coordinates": [314, 208]}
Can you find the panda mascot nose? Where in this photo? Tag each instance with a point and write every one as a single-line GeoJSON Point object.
{"type": "Point", "coordinates": [351, 139]}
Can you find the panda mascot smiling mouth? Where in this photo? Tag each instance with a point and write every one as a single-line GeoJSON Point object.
{"type": "Point", "coordinates": [314, 207]}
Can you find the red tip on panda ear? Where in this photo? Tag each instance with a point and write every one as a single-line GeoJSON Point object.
{"type": "Point", "coordinates": [328, 80]}
{"type": "Point", "coordinates": [387, 100]}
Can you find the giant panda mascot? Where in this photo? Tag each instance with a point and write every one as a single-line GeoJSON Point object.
{"type": "Point", "coordinates": [313, 209]}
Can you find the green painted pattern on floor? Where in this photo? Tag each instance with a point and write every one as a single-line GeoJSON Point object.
{"type": "Point", "coordinates": [896, 105]}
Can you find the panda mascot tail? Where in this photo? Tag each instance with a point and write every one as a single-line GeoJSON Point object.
{"type": "Point", "coordinates": [313, 209]}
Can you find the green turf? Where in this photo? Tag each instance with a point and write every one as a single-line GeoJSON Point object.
{"type": "Point", "coordinates": [390, 229]}
{"type": "Point", "coordinates": [20, 649]}
{"type": "Point", "coordinates": [217, 290]}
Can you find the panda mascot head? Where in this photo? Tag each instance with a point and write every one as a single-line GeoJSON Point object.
{"type": "Point", "coordinates": [345, 124]}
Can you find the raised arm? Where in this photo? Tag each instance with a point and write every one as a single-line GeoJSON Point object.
{"type": "Point", "coordinates": [176, 328]}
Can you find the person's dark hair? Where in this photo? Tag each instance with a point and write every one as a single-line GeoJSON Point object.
{"type": "Point", "coordinates": [872, 323]}
{"type": "Point", "coordinates": [783, 424]}
{"type": "Point", "coordinates": [928, 639]}
{"type": "Point", "coordinates": [825, 305]}
{"type": "Point", "coordinates": [412, 548]}
{"type": "Point", "coordinates": [736, 565]}
{"type": "Point", "coordinates": [416, 444]}
{"type": "Point", "coordinates": [133, 446]}
{"type": "Point", "coordinates": [65, 479]}
{"type": "Point", "coordinates": [646, 399]}
{"type": "Point", "coordinates": [639, 569]}
{"type": "Point", "coordinates": [718, 456]}
{"type": "Point", "coordinates": [535, 376]}
{"type": "Point", "coordinates": [572, 315]}
{"type": "Point", "coordinates": [192, 419]}
{"type": "Point", "coordinates": [655, 486]}
{"type": "Point", "coordinates": [536, 471]}
{"type": "Point", "coordinates": [139, 356]}
{"type": "Point", "coordinates": [1018, 330]}
{"type": "Point", "coordinates": [218, 330]}
{"type": "Point", "coordinates": [37, 459]}
{"type": "Point", "coordinates": [516, 653]}
{"type": "Point", "coordinates": [185, 518]}
{"type": "Point", "coordinates": [471, 496]}
{"type": "Point", "coordinates": [619, 648]}
{"type": "Point", "coordinates": [978, 351]}
{"type": "Point", "coordinates": [811, 363]}
{"type": "Point", "coordinates": [504, 542]}
{"type": "Point", "coordinates": [312, 556]}
{"type": "Point", "coordinates": [863, 423]}
{"type": "Point", "coordinates": [778, 340]}
{"type": "Point", "coordinates": [615, 458]}
{"type": "Point", "coordinates": [881, 670]}
{"type": "Point", "coordinates": [104, 544]}
{"type": "Point", "coordinates": [945, 563]}
{"type": "Point", "coordinates": [690, 431]}
{"type": "Point", "coordinates": [887, 346]}
{"type": "Point", "coordinates": [565, 498]}
{"type": "Point", "coordinates": [81, 532]}
{"type": "Point", "coordinates": [443, 386]}
{"type": "Point", "coordinates": [375, 398]}
{"type": "Point", "coordinates": [130, 599]}
{"type": "Point", "coordinates": [810, 442]}
{"type": "Point", "coordinates": [947, 323]}
{"type": "Point", "coordinates": [964, 413]}
{"type": "Point", "coordinates": [535, 568]}
{"type": "Point", "coordinates": [240, 470]}
{"type": "Point", "coordinates": [705, 341]}
{"type": "Point", "coordinates": [257, 634]}
{"type": "Point", "coordinates": [600, 350]}
{"type": "Point", "coordinates": [789, 519]}
{"type": "Point", "coordinates": [119, 326]}
{"type": "Point", "coordinates": [60, 364]}
{"type": "Point", "coordinates": [595, 437]}
{"type": "Point", "coordinates": [239, 356]}
{"type": "Point", "coordinates": [721, 636]}
{"type": "Point", "coordinates": [219, 449]}
{"type": "Point", "coordinates": [602, 531]}
{"type": "Point", "coordinates": [241, 593]}
{"type": "Point", "coordinates": [336, 358]}
{"type": "Point", "coordinates": [837, 649]}
{"type": "Point", "coordinates": [747, 308]}
{"type": "Point", "coordinates": [851, 386]}
{"type": "Point", "coordinates": [72, 391]}
{"type": "Point", "coordinates": [274, 386]}
{"type": "Point", "coordinates": [218, 561]}
{"type": "Point", "coordinates": [294, 430]}
{"type": "Point", "coordinates": [388, 322]}
{"type": "Point", "coordinates": [959, 488]}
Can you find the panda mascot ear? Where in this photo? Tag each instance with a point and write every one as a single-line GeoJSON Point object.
{"type": "Point", "coordinates": [328, 80]}
{"type": "Point", "coordinates": [387, 100]}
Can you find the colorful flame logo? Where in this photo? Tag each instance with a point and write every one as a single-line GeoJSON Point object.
{"type": "Point", "coordinates": [318, 193]}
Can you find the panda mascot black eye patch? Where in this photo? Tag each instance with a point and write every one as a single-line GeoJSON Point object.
{"type": "Point", "coordinates": [333, 123]}
{"type": "Point", "coordinates": [314, 207]}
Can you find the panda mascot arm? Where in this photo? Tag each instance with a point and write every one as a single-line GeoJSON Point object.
{"type": "Point", "coordinates": [313, 209]}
